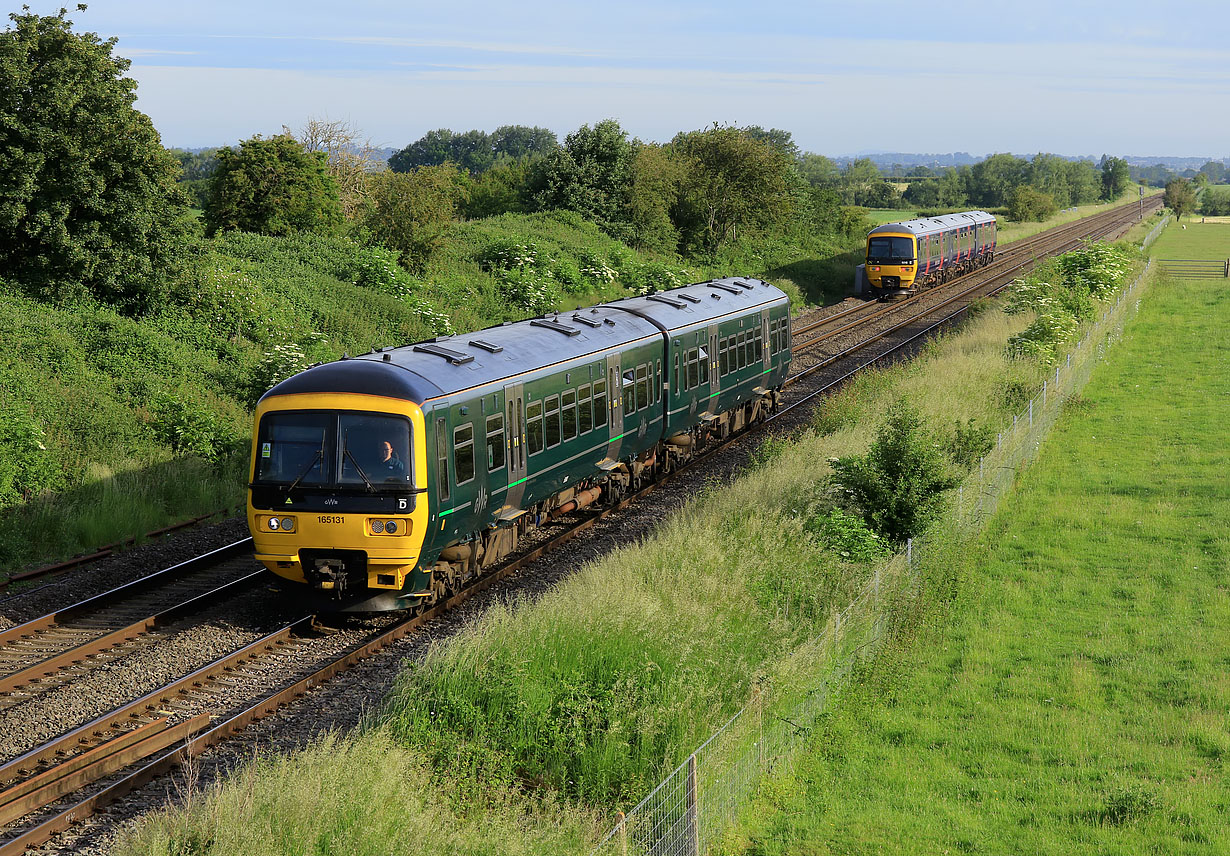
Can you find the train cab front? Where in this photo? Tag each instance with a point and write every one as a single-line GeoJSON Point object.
{"type": "Point", "coordinates": [337, 497]}
{"type": "Point", "coordinates": [891, 263]}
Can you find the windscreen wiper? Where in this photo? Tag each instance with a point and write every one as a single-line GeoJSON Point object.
{"type": "Point", "coordinates": [320, 453]}
{"type": "Point", "coordinates": [347, 453]}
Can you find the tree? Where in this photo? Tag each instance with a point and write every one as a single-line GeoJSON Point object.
{"type": "Point", "coordinates": [349, 157]}
{"type": "Point", "coordinates": [1029, 203]}
{"type": "Point", "coordinates": [589, 175]}
{"type": "Point", "coordinates": [1116, 176]}
{"type": "Point", "coordinates": [88, 195]}
{"type": "Point", "coordinates": [652, 193]}
{"type": "Point", "coordinates": [1215, 170]}
{"type": "Point", "coordinates": [1215, 202]}
{"type": "Point", "coordinates": [818, 170]}
{"type": "Point", "coordinates": [857, 178]}
{"type": "Point", "coordinates": [274, 187]}
{"type": "Point", "coordinates": [731, 182]}
{"type": "Point", "coordinates": [410, 212]}
{"type": "Point", "coordinates": [502, 189]}
{"type": "Point", "coordinates": [1180, 197]}
{"type": "Point", "coordinates": [993, 180]}
{"type": "Point", "coordinates": [475, 151]}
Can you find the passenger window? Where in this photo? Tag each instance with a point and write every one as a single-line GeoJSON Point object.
{"type": "Point", "coordinates": [740, 352]}
{"type": "Point", "coordinates": [642, 387]}
{"type": "Point", "coordinates": [495, 442]}
{"type": "Point", "coordinates": [599, 403]}
{"type": "Point", "coordinates": [442, 458]}
{"type": "Point", "coordinates": [551, 409]}
{"type": "Point", "coordinates": [675, 385]}
{"type": "Point", "coordinates": [585, 414]}
{"type": "Point", "coordinates": [533, 427]}
{"type": "Point", "coordinates": [722, 358]}
{"type": "Point", "coordinates": [628, 390]}
{"type": "Point", "coordinates": [570, 414]}
{"type": "Point", "coordinates": [463, 452]}
{"type": "Point", "coordinates": [657, 383]}
{"type": "Point", "coordinates": [703, 360]}
{"type": "Point", "coordinates": [693, 370]}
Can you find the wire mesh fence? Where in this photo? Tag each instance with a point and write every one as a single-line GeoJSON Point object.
{"type": "Point", "coordinates": [1154, 232]}
{"type": "Point", "coordinates": [689, 810]}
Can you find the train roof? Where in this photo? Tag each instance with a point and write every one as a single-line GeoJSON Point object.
{"type": "Point", "coordinates": [446, 364]}
{"type": "Point", "coordinates": [701, 303]}
{"type": "Point", "coordinates": [926, 225]}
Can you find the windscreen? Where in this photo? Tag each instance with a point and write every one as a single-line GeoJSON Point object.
{"type": "Point", "coordinates": [319, 449]}
{"type": "Point", "coordinates": [886, 250]}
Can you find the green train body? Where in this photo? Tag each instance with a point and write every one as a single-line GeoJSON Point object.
{"type": "Point", "coordinates": [506, 427]}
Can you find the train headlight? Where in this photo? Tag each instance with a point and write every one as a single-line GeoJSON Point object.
{"type": "Point", "coordinates": [288, 524]}
{"type": "Point", "coordinates": [391, 527]}
{"type": "Point", "coordinates": [377, 526]}
{"type": "Point", "coordinates": [273, 524]}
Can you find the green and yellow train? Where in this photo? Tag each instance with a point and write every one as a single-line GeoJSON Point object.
{"type": "Point", "coordinates": [389, 480]}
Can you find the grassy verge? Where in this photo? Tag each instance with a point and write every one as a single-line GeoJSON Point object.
{"type": "Point", "coordinates": [1065, 688]}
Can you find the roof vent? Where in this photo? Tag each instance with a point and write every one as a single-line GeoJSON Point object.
{"type": "Point", "coordinates": [743, 284]}
{"type": "Point", "coordinates": [690, 298]}
{"type": "Point", "coordinates": [486, 346]}
{"type": "Point", "coordinates": [727, 288]}
{"type": "Point", "coordinates": [455, 357]}
{"type": "Point", "coordinates": [669, 301]}
{"type": "Point", "coordinates": [588, 322]}
{"type": "Point", "coordinates": [556, 326]}
{"type": "Point", "coordinates": [388, 358]}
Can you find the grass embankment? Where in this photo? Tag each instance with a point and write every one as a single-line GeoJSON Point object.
{"type": "Point", "coordinates": [1071, 696]}
{"type": "Point", "coordinates": [575, 704]}
{"type": "Point", "coordinates": [1196, 241]}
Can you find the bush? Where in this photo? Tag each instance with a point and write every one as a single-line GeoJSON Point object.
{"type": "Point", "coordinates": [188, 429]}
{"type": "Point", "coordinates": [898, 484]}
{"type": "Point", "coordinates": [26, 466]}
{"type": "Point", "coordinates": [849, 536]}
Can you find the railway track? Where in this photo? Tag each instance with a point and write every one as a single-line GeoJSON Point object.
{"type": "Point", "coordinates": [47, 788]}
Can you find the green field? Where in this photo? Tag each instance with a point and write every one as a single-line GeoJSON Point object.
{"type": "Point", "coordinates": [1197, 241]}
{"type": "Point", "coordinates": [1071, 696]}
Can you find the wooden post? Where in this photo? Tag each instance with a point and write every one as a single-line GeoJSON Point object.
{"type": "Point", "coordinates": [693, 812]}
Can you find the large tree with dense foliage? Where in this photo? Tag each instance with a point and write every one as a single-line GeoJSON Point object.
{"type": "Point", "coordinates": [272, 186]}
{"type": "Point", "coordinates": [410, 211]}
{"type": "Point", "coordinates": [590, 174]}
{"type": "Point", "coordinates": [731, 181]}
{"type": "Point", "coordinates": [1180, 196]}
{"type": "Point", "coordinates": [1116, 176]}
{"type": "Point", "coordinates": [88, 195]}
{"type": "Point", "coordinates": [475, 151]}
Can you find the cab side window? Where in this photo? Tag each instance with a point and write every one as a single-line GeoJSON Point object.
{"type": "Point", "coordinates": [463, 452]}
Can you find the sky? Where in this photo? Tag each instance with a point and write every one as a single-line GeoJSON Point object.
{"type": "Point", "coordinates": [1123, 78]}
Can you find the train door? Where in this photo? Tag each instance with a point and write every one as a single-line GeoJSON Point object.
{"type": "Point", "coordinates": [765, 358]}
{"type": "Point", "coordinates": [715, 376]}
{"type": "Point", "coordinates": [615, 405]}
{"type": "Point", "coordinates": [514, 420]}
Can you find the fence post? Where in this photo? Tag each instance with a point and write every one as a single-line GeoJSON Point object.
{"type": "Point", "coordinates": [909, 551]}
{"type": "Point", "coordinates": [1044, 393]}
{"type": "Point", "coordinates": [1031, 412]}
{"type": "Point", "coordinates": [622, 831]}
{"type": "Point", "coordinates": [693, 812]}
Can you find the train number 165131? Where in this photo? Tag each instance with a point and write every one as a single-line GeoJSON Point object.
{"type": "Point", "coordinates": [330, 518]}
